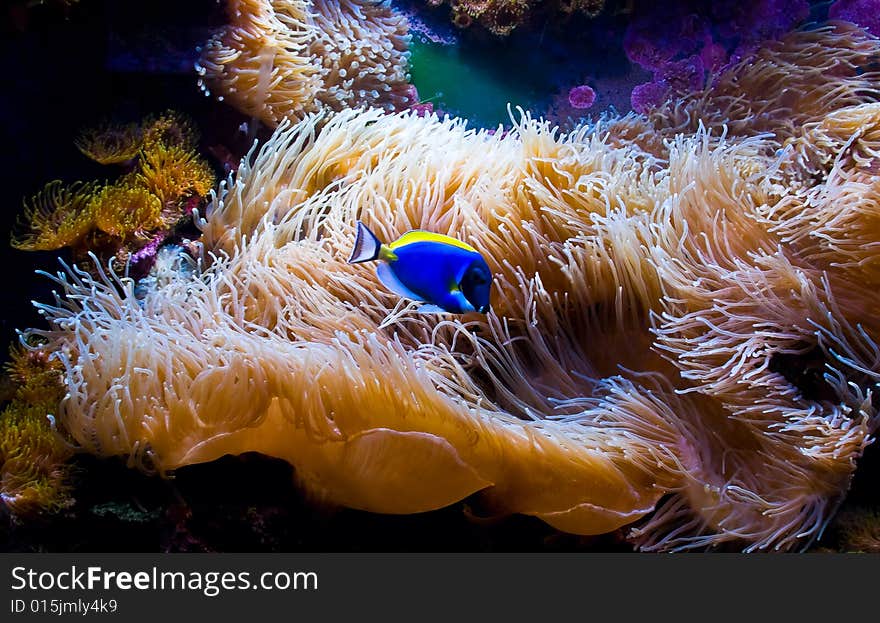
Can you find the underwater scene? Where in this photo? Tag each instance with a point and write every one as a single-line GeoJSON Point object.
{"type": "Point", "coordinates": [440, 275]}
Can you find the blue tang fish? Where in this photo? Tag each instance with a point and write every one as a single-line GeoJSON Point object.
{"type": "Point", "coordinates": [444, 273]}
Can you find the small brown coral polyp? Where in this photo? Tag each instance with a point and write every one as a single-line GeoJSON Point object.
{"type": "Point", "coordinates": [461, 17]}
{"type": "Point", "coordinates": [502, 16]}
{"type": "Point", "coordinates": [558, 404]}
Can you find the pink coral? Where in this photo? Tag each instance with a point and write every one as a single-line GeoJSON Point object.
{"type": "Point", "coordinates": [421, 108]}
{"type": "Point", "coordinates": [581, 96]}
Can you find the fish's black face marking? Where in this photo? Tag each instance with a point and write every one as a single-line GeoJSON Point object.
{"type": "Point", "coordinates": [476, 285]}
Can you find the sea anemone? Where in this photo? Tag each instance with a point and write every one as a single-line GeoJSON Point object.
{"type": "Point", "coordinates": [767, 344]}
{"type": "Point", "coordinates": [306, 318]}
{"type": "Point", "coordinates": [783, 85]}
{"type": "Point", "coordinates": [260, 61]}
{"type": "Point", "coordinates": [556, 406]}
{"type": "Point", "coordinates": [680, 340]}
{"type": "Point", "coordinates": [282, 59]}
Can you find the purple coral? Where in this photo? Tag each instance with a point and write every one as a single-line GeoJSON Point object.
{"type": "Point", "coordinates": [581, 97]}
{"type": "Point", "coordinates": [754, 21]}
{"type": "Point", "coordinates": [142, 260]}
{"type": "Point", "coordinates": [865, 13]}
{"type": "Point", "coordinates": [659, 33]}
{"type": "Point", "coordinates": [684, 43]}
{"type": "Point", "coordinates": [646, 96]}
{"type": "Point", "coordinates": [683, 76]}
{"type": "Point", "coordinates": [422, 109]}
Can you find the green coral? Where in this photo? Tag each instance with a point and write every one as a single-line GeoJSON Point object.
{"type": "Point", "coordinates": [125, 512]}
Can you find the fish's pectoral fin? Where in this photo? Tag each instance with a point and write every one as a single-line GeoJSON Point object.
{"type": "Point", "coordinates": [429, 308]}
{"type": "Point", "coordinates": [367, 246]}
{"type": "Point", "coordinates": [389, 280]}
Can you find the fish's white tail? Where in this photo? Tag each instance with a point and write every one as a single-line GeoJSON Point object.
{"type": "Point", "coordinates": [366, 246]}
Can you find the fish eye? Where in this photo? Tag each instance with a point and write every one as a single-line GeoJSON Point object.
{"type": "Point", "coordinates": [477, 275]}
{"type": "Point", "coordinates": [475, 286]}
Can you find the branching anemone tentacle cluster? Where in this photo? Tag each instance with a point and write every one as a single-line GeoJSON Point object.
{"type": "Point", "coordinates": [284, 59]}
{"type": "Point", "coordinates": [680, 337]}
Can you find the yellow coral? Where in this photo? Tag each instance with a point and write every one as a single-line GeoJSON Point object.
{"type": "Point", "coordinates": [123, 210]}
{"type": "Point", "coordinates": [110, 143]}
{"type": "Point", "coordinates": [36, 376]}
{"type": "Point", "coordinates": [58, 216]}
{"type": "Point", "coordinates": [502, 16]}
{"type": "Point", "coordinates": [169, 128]}
{"type": "Point", "coordinates": [33, 474]}
{"type": "Point", "coordinates": [153, 196]}
{"type": "Point", "coordinates": [173, 173]}
{"type": "Point", "coordinates": [33, 470]}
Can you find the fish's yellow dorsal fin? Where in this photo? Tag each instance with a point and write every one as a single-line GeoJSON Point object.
{"type": "Point", "coordinates": [419, 235]}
